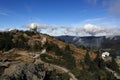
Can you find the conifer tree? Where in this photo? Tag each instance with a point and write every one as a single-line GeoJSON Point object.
{"type": "Point", "coordinates": [99, 62]}
{"type": "Point", "coordinates": [87, 58]}
{"type": "Point", "coordinates": [113, 65]}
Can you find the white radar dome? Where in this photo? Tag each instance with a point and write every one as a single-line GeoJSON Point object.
{"type": "Point", "coordinates": [33, 25]}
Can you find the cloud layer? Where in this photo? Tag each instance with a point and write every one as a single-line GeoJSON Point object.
{"type": "Point", "coordinates": [85, 30]}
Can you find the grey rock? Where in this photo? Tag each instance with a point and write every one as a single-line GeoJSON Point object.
{"type": "Point", "coordinates": [23, 71]}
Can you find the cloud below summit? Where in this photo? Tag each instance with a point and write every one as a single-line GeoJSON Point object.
{"type": "Point", "coordinates": [94, 30]}
{"type": "Point", "coordinates": [85, 30]}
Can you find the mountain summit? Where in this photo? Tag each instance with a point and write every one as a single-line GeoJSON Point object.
{"type": "Point", "coordinates": [28, 55]}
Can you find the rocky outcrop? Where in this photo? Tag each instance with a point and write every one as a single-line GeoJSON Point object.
{"type": "Point", "coordinates": [23, 71]}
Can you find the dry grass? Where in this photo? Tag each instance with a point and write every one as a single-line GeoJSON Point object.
{"type": "Point", "coordinates": [78, 53]}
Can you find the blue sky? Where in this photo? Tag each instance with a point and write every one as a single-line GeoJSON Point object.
{"type": "Point", "coordinates": [72, 13]}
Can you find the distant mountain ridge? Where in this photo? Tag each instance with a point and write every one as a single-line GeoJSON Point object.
{"type": "Point", "coordinates": [93, 41]}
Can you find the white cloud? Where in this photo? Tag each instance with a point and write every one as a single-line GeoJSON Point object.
{"type": "Point", "coordinates": [95, 30]}
{"type": "Point", "coordinates": [3, 12]}
{"type": "Point", "coordinates": [92, 29]}
{"type": "Point", "coordinates": [85, 30]}
{"type": "Point", "coordinates": [114, 7]}
{"type": "Point", "coordinates": [111, 6]}
{"type": "Point", "coordinates": [94, 19]}
{"type": "Point", "coordinates": [6, 12]}
{"type": "Point", "coordinates": [92, 1]}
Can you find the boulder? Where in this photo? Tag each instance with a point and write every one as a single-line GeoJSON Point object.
{"type": "Point", "coordinates": [23, 71]}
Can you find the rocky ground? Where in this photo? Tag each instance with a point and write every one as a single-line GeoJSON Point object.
{"type": "Point", "coordinates": [26, 66]}
{"type": "Point", "coordinates": [21, 71]}
{"type": "Point", "coordinates": [22, 67]}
